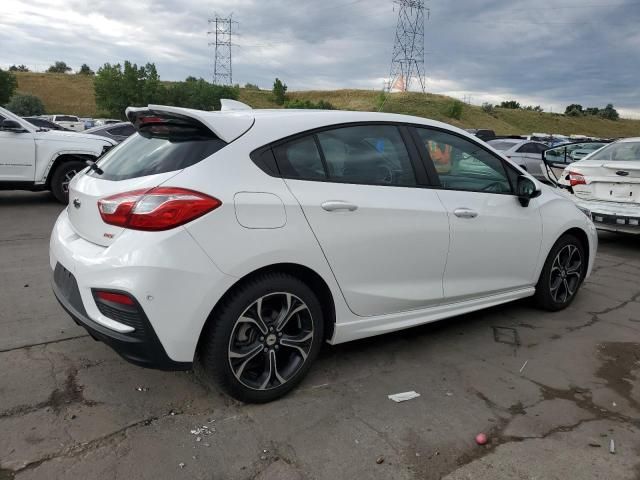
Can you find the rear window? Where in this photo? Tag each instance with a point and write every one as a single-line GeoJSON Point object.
{"type": "Point", "coordinates": [159, 147]}
{"type": "Point", "coordinates": [621, 151]}
{"type": "Point", "coordinates": [66, 118]}
{"type": "Point", "coordinates": [502, 146]}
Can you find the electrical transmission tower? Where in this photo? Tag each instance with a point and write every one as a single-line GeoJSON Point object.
{"type": "Point", "coordinates": [407, 61]}
{"type": "Point", "coordinates": [222, 72]}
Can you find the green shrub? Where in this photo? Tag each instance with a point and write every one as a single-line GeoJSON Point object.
{"type": "Point", "coordinates": [454, 109]}
{"type": "Point", "coordinates": [309, 105]}
{"type": "Point", "coordinates": [279, 91]}
{"type": "Point", "coordinates": [8, 84]}
{"type": "Point", "coordinates": [25, 105]}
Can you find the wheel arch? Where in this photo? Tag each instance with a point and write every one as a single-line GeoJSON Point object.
{"type": "Point", "coordinates": [63, 158]}
{"type": "Point", "coordinates": [303, 273]}
{"type": "Point", "coordinates": [581, 235]}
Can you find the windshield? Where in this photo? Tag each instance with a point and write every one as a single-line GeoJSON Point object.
{"type": "Point", "coordinates": [502, 146]}
{"type": "Point", "coordinates": [66, 118]}
{"type": "Point", "coordinates": [621, 151]}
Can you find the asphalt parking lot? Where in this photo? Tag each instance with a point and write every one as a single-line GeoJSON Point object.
{"type": "Point", "coordinates": [550, 390]}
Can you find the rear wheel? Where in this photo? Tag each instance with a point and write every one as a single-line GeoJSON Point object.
{"type": "Point", "coordinates": [562, 274]}
{"type": "Point", "coordinates": [263, 338]}
{"type": "Point", "coordinates": [61, 178]}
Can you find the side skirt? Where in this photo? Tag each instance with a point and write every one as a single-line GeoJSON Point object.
{"type": "Point", "coordinates": [370, 326]}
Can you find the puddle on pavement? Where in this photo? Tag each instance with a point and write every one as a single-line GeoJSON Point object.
{"type": "Point", "coordinates": [620, 362]}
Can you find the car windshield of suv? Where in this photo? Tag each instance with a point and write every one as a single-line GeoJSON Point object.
{"type": "Point", "coordinates": [66, 118]}
{"type": "Point", "coordinates": [621, 151]}
{"type": "Point", "coordinates": [502, 146]}
{"type": "Point", "coordinates": [158, 148]}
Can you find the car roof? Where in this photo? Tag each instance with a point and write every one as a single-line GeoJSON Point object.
{"type": "Point", "coordinates": [109, 126]}
{"type": "Point", "coordinates": [231, 124]}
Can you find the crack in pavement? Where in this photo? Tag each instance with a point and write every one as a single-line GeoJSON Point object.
{"type": "Point", "coordinates": [13, 349]}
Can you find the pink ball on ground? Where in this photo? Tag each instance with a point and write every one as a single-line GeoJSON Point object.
{"type": "Point", "coordinates": [481, 439]}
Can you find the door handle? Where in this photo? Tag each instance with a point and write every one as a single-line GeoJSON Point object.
{"type": "Point", "coordinates": [335, 205]}
{"type": "Point", "coordinates": [465, 213]}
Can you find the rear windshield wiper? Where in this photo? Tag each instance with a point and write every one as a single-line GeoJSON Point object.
{"type": "Point", "coordinates": [93, 166]}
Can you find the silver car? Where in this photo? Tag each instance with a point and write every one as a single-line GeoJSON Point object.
{"type": "Point", "coordinates": [526, 153]}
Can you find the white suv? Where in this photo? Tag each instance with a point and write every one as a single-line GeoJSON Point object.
{"type": "Point", "coordinates": [33, 158]}
{"type": "Point", "coordinates": [246, 239]}
{"type": "Point", "coordinates": [70, 122]}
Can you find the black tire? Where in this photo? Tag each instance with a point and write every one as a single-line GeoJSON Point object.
{"type": "Point", "coordinates": [220, 345]}
{"type": "Point", "coordinates": [61, 177]}
{"type": "Point", "coordinates": [554, 299]}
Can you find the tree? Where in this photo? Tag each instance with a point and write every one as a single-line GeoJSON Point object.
{"type": "Point", "coordinates": [59, 67]}
{"type": "Point", "coordinates": [609, 112]}
{"type": "Point", "coordinates": [19, 68]}
{"type": "Point", "coordinates": [251, 86]}
{"type": "Point", "coordinates": [279, 91]}
{"type": "Point", "coordinates": [488, 108]}
{"type": "Point", "coordinates": [592, 111]}
{"type": "Point", "coordinates": [574, 110]}
{"type": "Point", "coordinates": [8, 84]}
{"type": "Point", "coordinates": [511, 104]}
{"type": "Point", "coordinates": [199, 94]}
{"type": "Point", "coordinates": [25, 105]}
{"type": "Point", "coordinates": [85, 70]}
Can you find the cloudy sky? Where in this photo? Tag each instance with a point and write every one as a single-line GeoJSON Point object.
{"type": "Point", "coordinates": [547, 52]}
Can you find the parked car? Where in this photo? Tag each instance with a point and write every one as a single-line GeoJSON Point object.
{"type": "Point", "coordinates": [247, 239]}
{"type": "Point", "coordinates": [559, 157]}
{"type": "Point", "coordinates": [106, 121]}
{"type": "Point", "coordinates": [482, 133]}
{"type": "Point", "coordinates": [33, 158]}
{"type": "Point", "coordinates": [116, 131]}
{"type": "Point", "coordinates": [88, 123]}
{"type": "Point", "coordinates": [607, 184]}
{"type": "Point", "coordinates": [525, 153]}
{"type": "Point", "coordinates": [69, 122]}
{"type": "Point", "coordinates": [44, 123]}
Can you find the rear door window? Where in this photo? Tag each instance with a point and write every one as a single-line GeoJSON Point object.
{"type": "Point", "coordinates": [163, 146]}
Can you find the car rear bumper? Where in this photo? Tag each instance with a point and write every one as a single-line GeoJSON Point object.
{"type": "Point", "coordinates": [174, 283]}
{"type": "Point", "coordinates": [613, 216]}
{"type": "Point", "coordinates": [145, 351]}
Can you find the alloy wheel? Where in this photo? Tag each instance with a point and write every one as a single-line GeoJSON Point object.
{"type": "Point", "coordinates": [271, 341]}
{"type": "Point", "coordinates": [566, 273]}
{"type": "Point", "coordinates": [67, 179]}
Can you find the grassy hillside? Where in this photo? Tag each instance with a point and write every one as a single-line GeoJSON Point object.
{"type": "Point", "coordinates": [73, 94]}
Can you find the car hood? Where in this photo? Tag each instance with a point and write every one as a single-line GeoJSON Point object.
{"type": "Point", "coordinates": [73, 137]}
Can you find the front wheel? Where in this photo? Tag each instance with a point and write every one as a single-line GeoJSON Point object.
{"type": "Point", "coordinates": [562, 274]}
{"type": "Point", "coordinates": [263, 338]}
{"type": "Point", "coordinates": [61, 178]}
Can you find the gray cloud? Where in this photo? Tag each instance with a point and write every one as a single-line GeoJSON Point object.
{"type": "Point", "coordinates": [541, 52]}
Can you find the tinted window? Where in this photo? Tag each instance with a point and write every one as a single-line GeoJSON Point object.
{"type": "Point", "coordinates": [65, 118]}
{"type": "Point", "coordinates": [463, 165]}
{"type": "Point", "coordinates": [123, 130]}
{"type": "Point", "coordinates": [528, 148]}
{"type": "Point", "coordinates": [368, 154]}
{"type": "Point", "coordinates": [158, 149]}
{"type": "Point", "coordinates": [300, 159]}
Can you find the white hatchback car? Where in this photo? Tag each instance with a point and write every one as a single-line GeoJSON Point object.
{"type": "Point", "coordinates": [245, 239]}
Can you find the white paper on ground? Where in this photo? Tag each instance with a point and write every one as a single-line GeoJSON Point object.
{"type": "Point", "coordinates": [404, 396]}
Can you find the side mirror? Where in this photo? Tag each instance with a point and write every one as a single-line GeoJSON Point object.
{"type": "Point", "coordinates": [526, 190]}
{"type": "Point", "coordinates": [11, 126]}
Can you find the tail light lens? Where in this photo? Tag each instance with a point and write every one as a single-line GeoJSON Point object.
{"type": "Point", "coordinates": [160, 208]}
{"type": "Point", "coordinates": [576, 179]}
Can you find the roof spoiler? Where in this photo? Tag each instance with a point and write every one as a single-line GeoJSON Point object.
{"type": "Point", "coordinates": [227, 127]}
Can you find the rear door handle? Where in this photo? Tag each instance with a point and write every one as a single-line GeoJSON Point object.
{"type": "Point", "coordinates": [465, 213]}
{"type": "Point", "coordinates": [335, 205]}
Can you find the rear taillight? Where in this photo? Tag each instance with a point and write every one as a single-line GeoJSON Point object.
{"type": "Point", "coordinates": [576, 179]}
{"type": "Point", "coordinates": [160, 208]}
{"type": "Point", "coordinates": [113, 297]}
